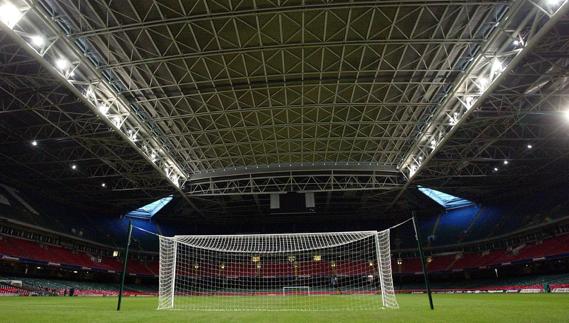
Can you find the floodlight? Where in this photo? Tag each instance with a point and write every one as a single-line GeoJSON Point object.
{"type": "Point", "coordinates": [468, 101]}
{"type": "Point", "coordinates": [103, 185]}
{"type": "Point", "coordinates": [34, 143]}
{"type": "Point", "coordinates": [529, 146]}
{"type": "Point", "coordinates": [412, 170]}
{"type": "Point", "coordinates": [74, 166]}
{"type": "Point", "coordinates": [132, 135]}
{"type": "Point", "coordinates": [506, 162]}
{"type": "Point", "coordinates": [115, 253]}
{"type": "Point", "coordinates": [103, 108]}
{"type": "Point", "coordinates": [497, 66]}
{"type": "Point", "coordinates": [10, 14]}
{"type": "Point", "coordinates": [89, 93]}
{"type": "Point", "coordinates": [62, 64]}
{"type": "Point", "coordinates": [117, 121]}
{"type": "Point", "coordinates": [37, 40]}
{"type": "Point", "coordinates": [433, 144]}
{"type": "Point", "coordinates": [495, 169]}
{"type": "Point", "coordinates": [483, 83]}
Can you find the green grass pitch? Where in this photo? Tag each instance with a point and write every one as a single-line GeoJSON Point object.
{"type": "Point", "coordinates": [414, 308]}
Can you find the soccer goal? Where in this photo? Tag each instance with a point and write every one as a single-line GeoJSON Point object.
{"type": "Point", "coordinates": [277, 272]}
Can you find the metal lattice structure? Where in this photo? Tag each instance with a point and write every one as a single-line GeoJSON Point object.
{"type": "Point", "coordinates": [214, 98]}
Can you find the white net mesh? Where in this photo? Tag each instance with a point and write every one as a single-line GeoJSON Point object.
{"type": "Point", "coordinates": [309, 271]}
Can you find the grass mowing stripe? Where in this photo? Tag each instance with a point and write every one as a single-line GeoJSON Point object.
{"type": "Point", "coordinates": [414, 308]}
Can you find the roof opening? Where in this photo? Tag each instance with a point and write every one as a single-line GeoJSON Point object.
{"type": "Point", "coordinates": [446, 200]}
{"type": "Point", "coordinates": [148, 210]}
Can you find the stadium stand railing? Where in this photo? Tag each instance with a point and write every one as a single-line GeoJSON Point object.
{"type": "Point", "coordinates": [26, 250]}
{"type": "Point", "coordinates": [37, 286]}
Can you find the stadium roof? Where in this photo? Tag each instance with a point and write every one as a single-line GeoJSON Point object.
{"type": "Point", "coordinates": [222, 103]}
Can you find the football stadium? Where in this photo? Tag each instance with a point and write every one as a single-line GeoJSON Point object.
{"type": "Point", "coordinates": [284, 161]}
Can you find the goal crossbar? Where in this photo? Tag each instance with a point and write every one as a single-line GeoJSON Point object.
{"type": "Point", "coordinates": [268, 243]}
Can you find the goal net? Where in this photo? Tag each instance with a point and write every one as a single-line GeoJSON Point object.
{"type": "Point", "coordinates": [277, 272]}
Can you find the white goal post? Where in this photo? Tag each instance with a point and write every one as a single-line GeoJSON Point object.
{"type": "Point", "coordinates": [277, 272]}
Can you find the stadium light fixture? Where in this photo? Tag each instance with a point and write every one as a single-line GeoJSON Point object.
{"type": "Point", "coordinates": [73, 166]}
{"type": "Point", "coordinates": [433, 144]}
{"type": "Point", "coordinates": [553, 2]}
{"type": "Point", "coordinates": [566, 114]}
{"type": "Point", "coordinates": [89, 93]}
{"type": "Point", "coordinates": [468, 102]}
{"type": "Point", "coordinates": [10, 14]}
{"type": "Point", "coordinates": [496, 169]}
{"type": "Point", "coordinates": [37, 41]}
{"type": "Point", "coordinates": [497, 66]}
{"type": "Point", "coordinates": [62, 64]}
{"type": "Point", "coordinates": [103, 108]}
{"type": "Point", "coordinates": [153, 157]}
{"type": "Point", "coordinates": [132, 135]}
{"type": "Point", "coordinates": [115, 253]}
{"type": "Point", "coordinates": [116, 120]}
{"type": "Point", "coordinates": [103, 185]}
{"type": "Point", "coordinates": [34, 143]}
{"type": "Point", "coordinates": [412, 170]}
{"type": "Point", "coordinates": [483, 83]}
{"type": "Point", "coordinates": [506, 162]}
{"type": "Point", "coordinates": [529, 146]}
{"type": "Point", "coordinates": [453, 120]}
